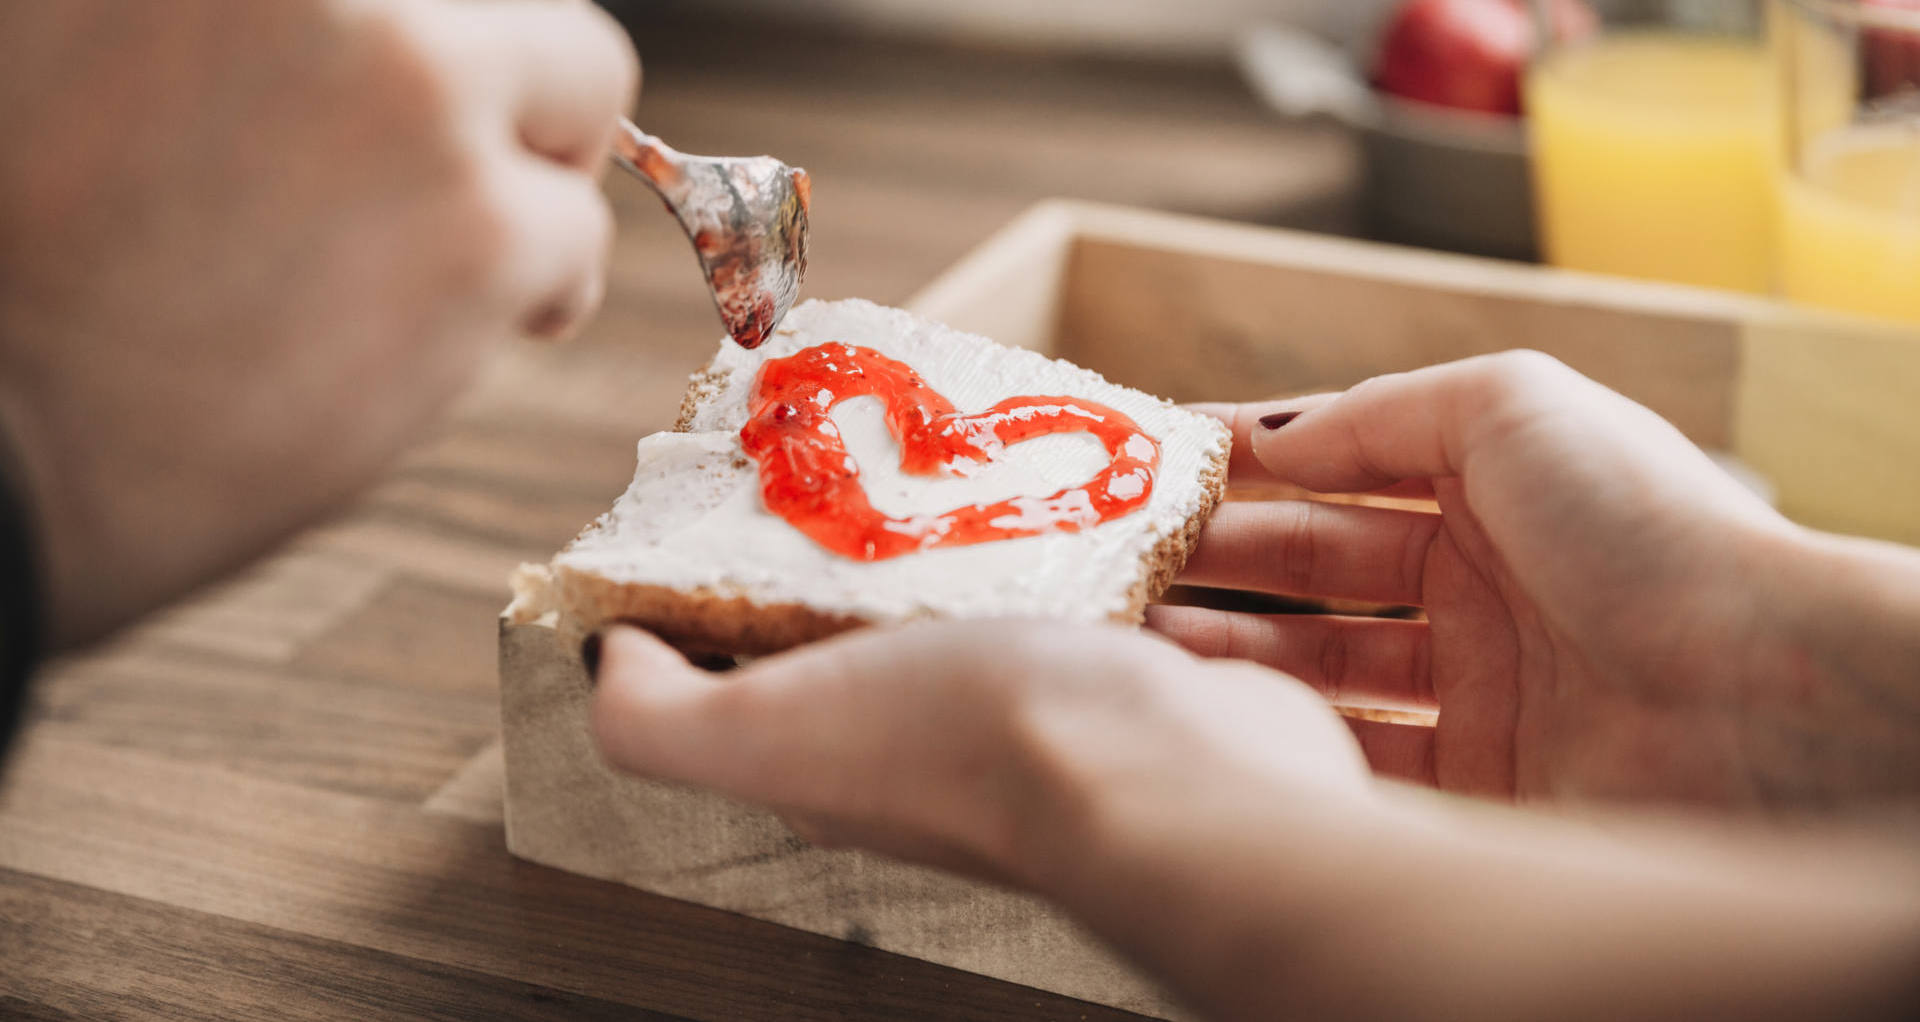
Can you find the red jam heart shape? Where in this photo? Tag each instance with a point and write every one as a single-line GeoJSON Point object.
{"type": "Point", "coordinates": [808, 478]}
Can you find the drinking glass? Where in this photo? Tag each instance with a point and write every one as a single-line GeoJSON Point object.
{"type": "Point", "coordinates": [1849, 193]}
{"type": "Point", "coordinates": [1654, 142]}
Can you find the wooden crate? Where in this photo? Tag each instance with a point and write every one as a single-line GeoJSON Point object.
{"type": "Point", "coordinates": [1823, 406]}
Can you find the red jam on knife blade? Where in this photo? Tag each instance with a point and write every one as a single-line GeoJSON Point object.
{"type": "Point", "coordinates": [808, 478]}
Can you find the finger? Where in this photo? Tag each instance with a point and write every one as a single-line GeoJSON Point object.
{"type": "Point", "coordinates": [1402, 751]}
{"type": "Point", "coordinates": [1243, 421]}
{"type": "Point", "coordinates": [1422, 424]}
{"type": "Point", "coordinates": [773, 733]}
{"type": "Point", "coordinates": [650, 713]}
{"type": "Point", "coordinates": [1311, 548]}
{"type": "Point", "coordinates": [567, 71]}
{"type": "Point", "coordinates": [1361, 662]}
{"type": "Point", "coordinates": [1545, 437]}
{"type": "Point", "coordinates": [802, 731]}
{"type": "Point", "coordinates": [1384, 431]}
{"type": "Point", "coordinates": [916, 737]}
{"type": "Point", "coordinates": [559, 236]}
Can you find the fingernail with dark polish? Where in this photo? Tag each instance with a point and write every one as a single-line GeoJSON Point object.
{"type": "Point", "coordinates": [1278, 419]}
{"type": "Point", "coordinates": [717, 663]}
{"type": "Point", "coordinates": [590, 655]}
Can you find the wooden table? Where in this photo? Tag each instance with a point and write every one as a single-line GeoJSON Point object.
{"type": "Point", "coordinates": [248, 807]}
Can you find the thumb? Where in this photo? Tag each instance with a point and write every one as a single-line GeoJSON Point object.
{"type": "Point", "coordinates": [1414, 425]}
{"type": "Point", "coordinates": [651, 709]}
{"type": "Point", "coordinates": [1536, 432]}
{"type": "Point", "coordinates": [793, 730]}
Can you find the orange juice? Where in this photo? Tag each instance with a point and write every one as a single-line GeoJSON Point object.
{"type": "Point", "coordinates": [1850, 223]}
{"type": "Point", "coordinates": [1653, 157]}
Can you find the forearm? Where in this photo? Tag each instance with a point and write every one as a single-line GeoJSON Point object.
{"type": "Point", "coordinates": [1836, 711]}
{"type": "Point", "coordinates": [1858, 616]}
{"type": "Point", "coordinates": [1413, 908]}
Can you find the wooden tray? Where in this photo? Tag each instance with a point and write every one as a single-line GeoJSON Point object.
{"type": "Point", "coordinates": [1823, 406]}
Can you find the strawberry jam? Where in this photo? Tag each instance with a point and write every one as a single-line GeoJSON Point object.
{"type": "Point", "coordinates": [808, 478]}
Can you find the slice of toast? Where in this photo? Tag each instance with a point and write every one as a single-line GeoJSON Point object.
{"type": "Point", "coordinates": [691, 553]}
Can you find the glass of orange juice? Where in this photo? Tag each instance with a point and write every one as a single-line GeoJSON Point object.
{"type": "Point", "coordinates": [1849, 194]}
{"type": "Point", "coordinates": [1654, 143]}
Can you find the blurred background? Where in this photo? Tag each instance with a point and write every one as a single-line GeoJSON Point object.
{"type": "Point", "coordinates": [1770, 147]}
{"type": "Point", "coordinates": [1744, 147]}
{"type": "Point", "coordinates": [1197, 28]}
{"type": "Point", "coordinates": [1400, 120]}
{"type": "Point", "coordinates": [927, 125]}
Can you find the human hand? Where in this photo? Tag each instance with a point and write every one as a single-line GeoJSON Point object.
{"type": "Point", "coordinates": [247, 250]}
{"type": "Point", "coordinates": [1216, 823]}
{"type": "Point", "coordinates": [1611, 616]}
{"type": "Point", "coordinates": [1000, 749]}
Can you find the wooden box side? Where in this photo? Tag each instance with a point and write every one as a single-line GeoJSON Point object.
{"type": "Point", "coordinates": [1009, 287]}
{"type": "Point", "coordinates": [1284, 312]}
{"type": "Point", "coordinates": [1254, 330]}
{"type": "Point", "coordinates": [1829, 410]}
{"type": "Point", "coordinates": [567, 809]}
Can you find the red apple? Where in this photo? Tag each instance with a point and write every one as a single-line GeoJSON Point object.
{"type": "Point", "coordinates": [1468, 54]}
{"type": "Point", "coordinates": [1891, 55]}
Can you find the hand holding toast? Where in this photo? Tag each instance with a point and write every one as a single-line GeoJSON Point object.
{"type": "Point", "coordinates": [1611, 616]}
{"type": "Point", "coordinates": [1214, 821]}
{"type": "Point", "coordinates": [973, 745]}
{"type": "Point", "coordinates": [247, 250]}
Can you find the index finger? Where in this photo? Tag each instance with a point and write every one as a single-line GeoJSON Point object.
{"type": "Point", "coordinates": [1245, 421]}
{"type": "Point", "coordinates": [1530, 426]}
{"type": "Point", "coordinates": [1420, 425]}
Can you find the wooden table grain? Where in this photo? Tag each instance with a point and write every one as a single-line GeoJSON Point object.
{"type": "Point", "coordinates": [247, 807]}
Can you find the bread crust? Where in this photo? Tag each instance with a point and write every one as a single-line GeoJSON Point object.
{"type": "Point", "coordinates": [710, 622]}
{"type": "Point", "coordinates": [698, 622]}
{"type": "Point", "coordinates": [1169, 556]}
